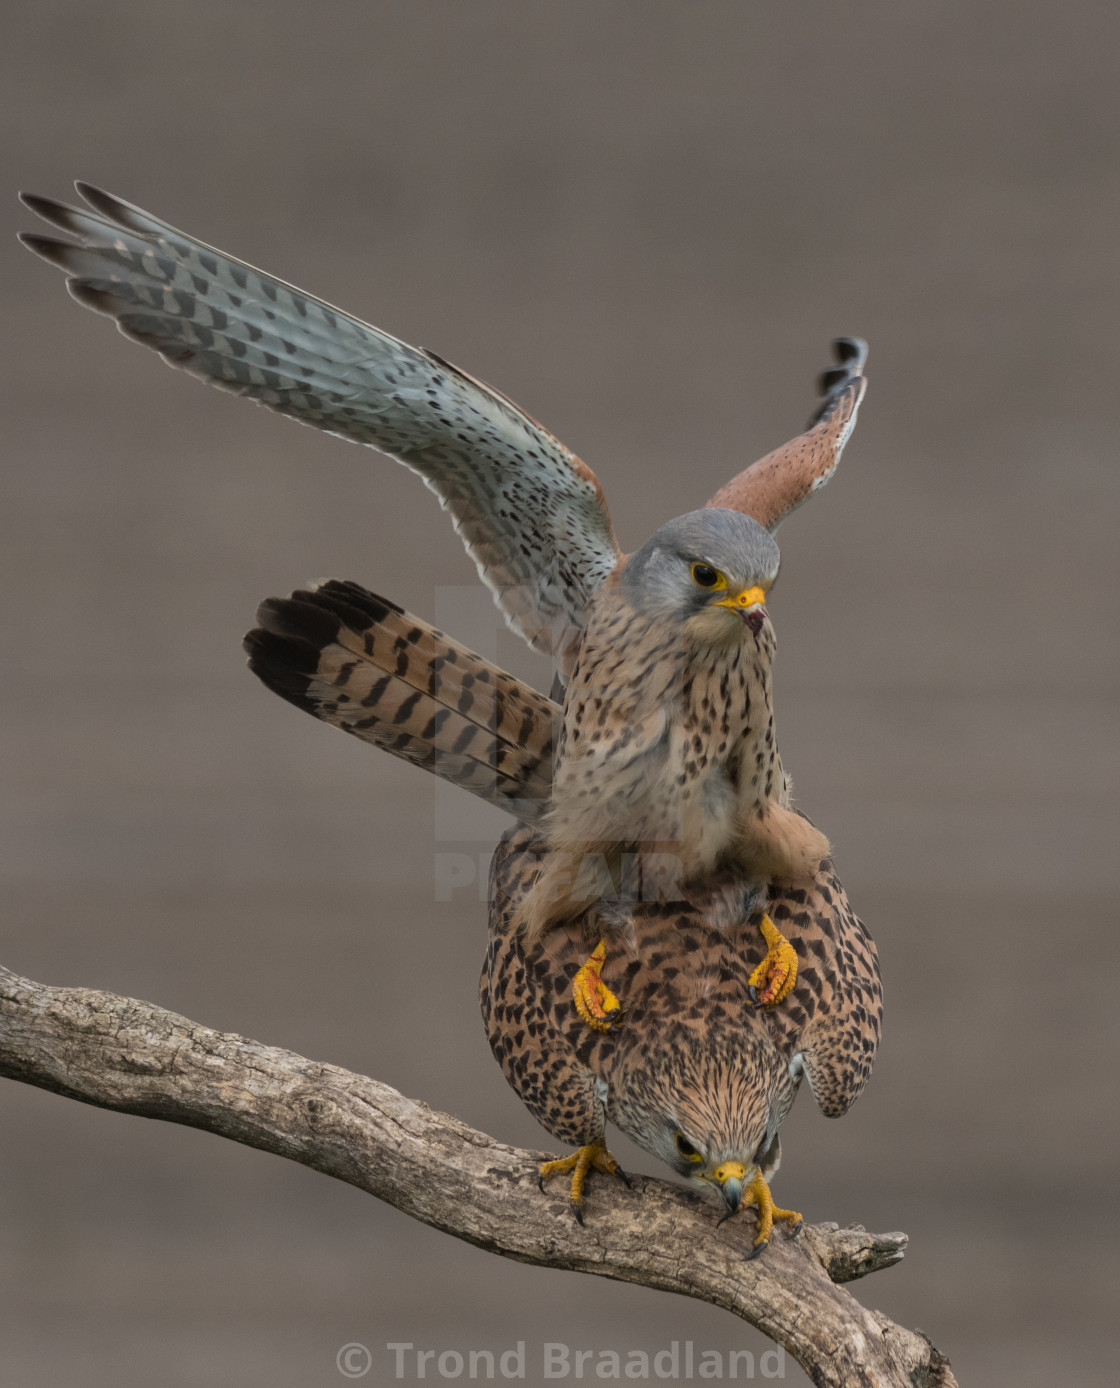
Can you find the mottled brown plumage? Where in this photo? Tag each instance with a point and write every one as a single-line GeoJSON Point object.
{"type": "Point", "coordinates": [682, 983]}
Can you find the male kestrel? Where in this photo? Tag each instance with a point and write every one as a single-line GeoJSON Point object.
{"type": "Point", "coordinates": [670, 816]}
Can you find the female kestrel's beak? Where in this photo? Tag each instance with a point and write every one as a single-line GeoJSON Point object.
{"type": "Point", "coordinates": [730, 1177]}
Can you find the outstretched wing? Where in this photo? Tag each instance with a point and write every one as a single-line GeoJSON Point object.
{"type": "Point", "coordinates": [531, 514]}
{"type": "Point", "coordinates": [777, 484]}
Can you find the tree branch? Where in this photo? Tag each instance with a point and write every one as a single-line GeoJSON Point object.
{"type": "Point", "coordinates": [131, 1056]}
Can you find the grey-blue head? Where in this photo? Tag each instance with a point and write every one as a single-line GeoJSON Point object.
{"type": "Point", "coordinates": [710, 565]}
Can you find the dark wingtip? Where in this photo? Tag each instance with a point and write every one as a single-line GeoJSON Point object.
{"type": "Point", "coordinates": [99, 300]}
{"type": "Point", "coordinates": [98, 199]}
{"type": "Point", "coordinates": [41, 206]}
{"type": "Point", "coordinates": [57, 214]}
{"type": "Point", "coordinates": [118, 213]}
{"type": "Point", "coordinates": [49, 248]}
{"type": "Point", "coordinates": [835, 376]}
{"type": "Point", "coordinates": [850, 352]}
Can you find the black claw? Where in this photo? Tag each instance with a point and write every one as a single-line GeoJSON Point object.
{"type": "Point", "coordinates": [578, 1214]}
{"type": "Point", "coordinates": [626, 1181]}
{"type": "Point", "coordinates": [757, 1249]}
{"type": "Point", "coordinates": [752, 993]}
{"type": "Point", "coordinates": [540, 1182]}
{"type": "Point", "coordinates": [797, 1228]}
{"type": "Point", "coordinates": [723, 1217]}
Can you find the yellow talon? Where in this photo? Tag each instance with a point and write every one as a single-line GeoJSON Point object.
{"type": "Point", "coordinates": [580, 1162]}
{"type": "Point", "coordinates": [594, 1001]}
{"type": "Point", "coordinates": [774, 978]}
{"type": "Point", "coordinates": [758, 1193]}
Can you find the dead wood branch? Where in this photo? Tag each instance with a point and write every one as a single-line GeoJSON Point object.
{"type": "Point", "coordinates": [131, 1056]}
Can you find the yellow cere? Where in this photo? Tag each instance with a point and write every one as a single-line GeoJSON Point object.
{"type": "Point", "coordinates": [749, 597]}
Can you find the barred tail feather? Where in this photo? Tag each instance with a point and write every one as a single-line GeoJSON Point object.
{"type": "Point", "coordinates": [363, 664]}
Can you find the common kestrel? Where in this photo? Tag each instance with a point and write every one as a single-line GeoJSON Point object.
{"type": "Point", "coordinates": [669, 816]}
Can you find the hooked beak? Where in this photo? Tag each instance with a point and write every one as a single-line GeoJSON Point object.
{"type": "Point", "coordinates": [730, 1177]}
{"type": "Point", "coordinates": [750, 604]}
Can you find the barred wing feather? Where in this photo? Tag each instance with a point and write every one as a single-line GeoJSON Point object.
{"type": "Point", "coordinates": [532, 515]}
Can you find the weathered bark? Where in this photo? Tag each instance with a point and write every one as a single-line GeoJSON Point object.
{"type": "Point", "coordinates": [122, 1054]}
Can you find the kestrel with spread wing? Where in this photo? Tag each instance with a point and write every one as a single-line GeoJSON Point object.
{"type": "Point", "coordinates": [662, 811]}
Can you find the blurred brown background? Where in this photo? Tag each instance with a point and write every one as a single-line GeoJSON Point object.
{"type": "Point", "coordinates": [644, 222]}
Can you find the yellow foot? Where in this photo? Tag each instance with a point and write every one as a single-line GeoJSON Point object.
{"type": "Point", "coordinates": [579, 1164]}
{"type": "Point", "coordinates": [758, 1193]}
{"type": "Point", "coordinates": [775, 976]}
{"type": "Point", "coordinates": [594, 1001]}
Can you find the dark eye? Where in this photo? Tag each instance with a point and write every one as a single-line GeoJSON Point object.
{"type": "Point", "coordinates": [706, 576]}
{"type": "Point", "coordinates": [686, 1149]}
